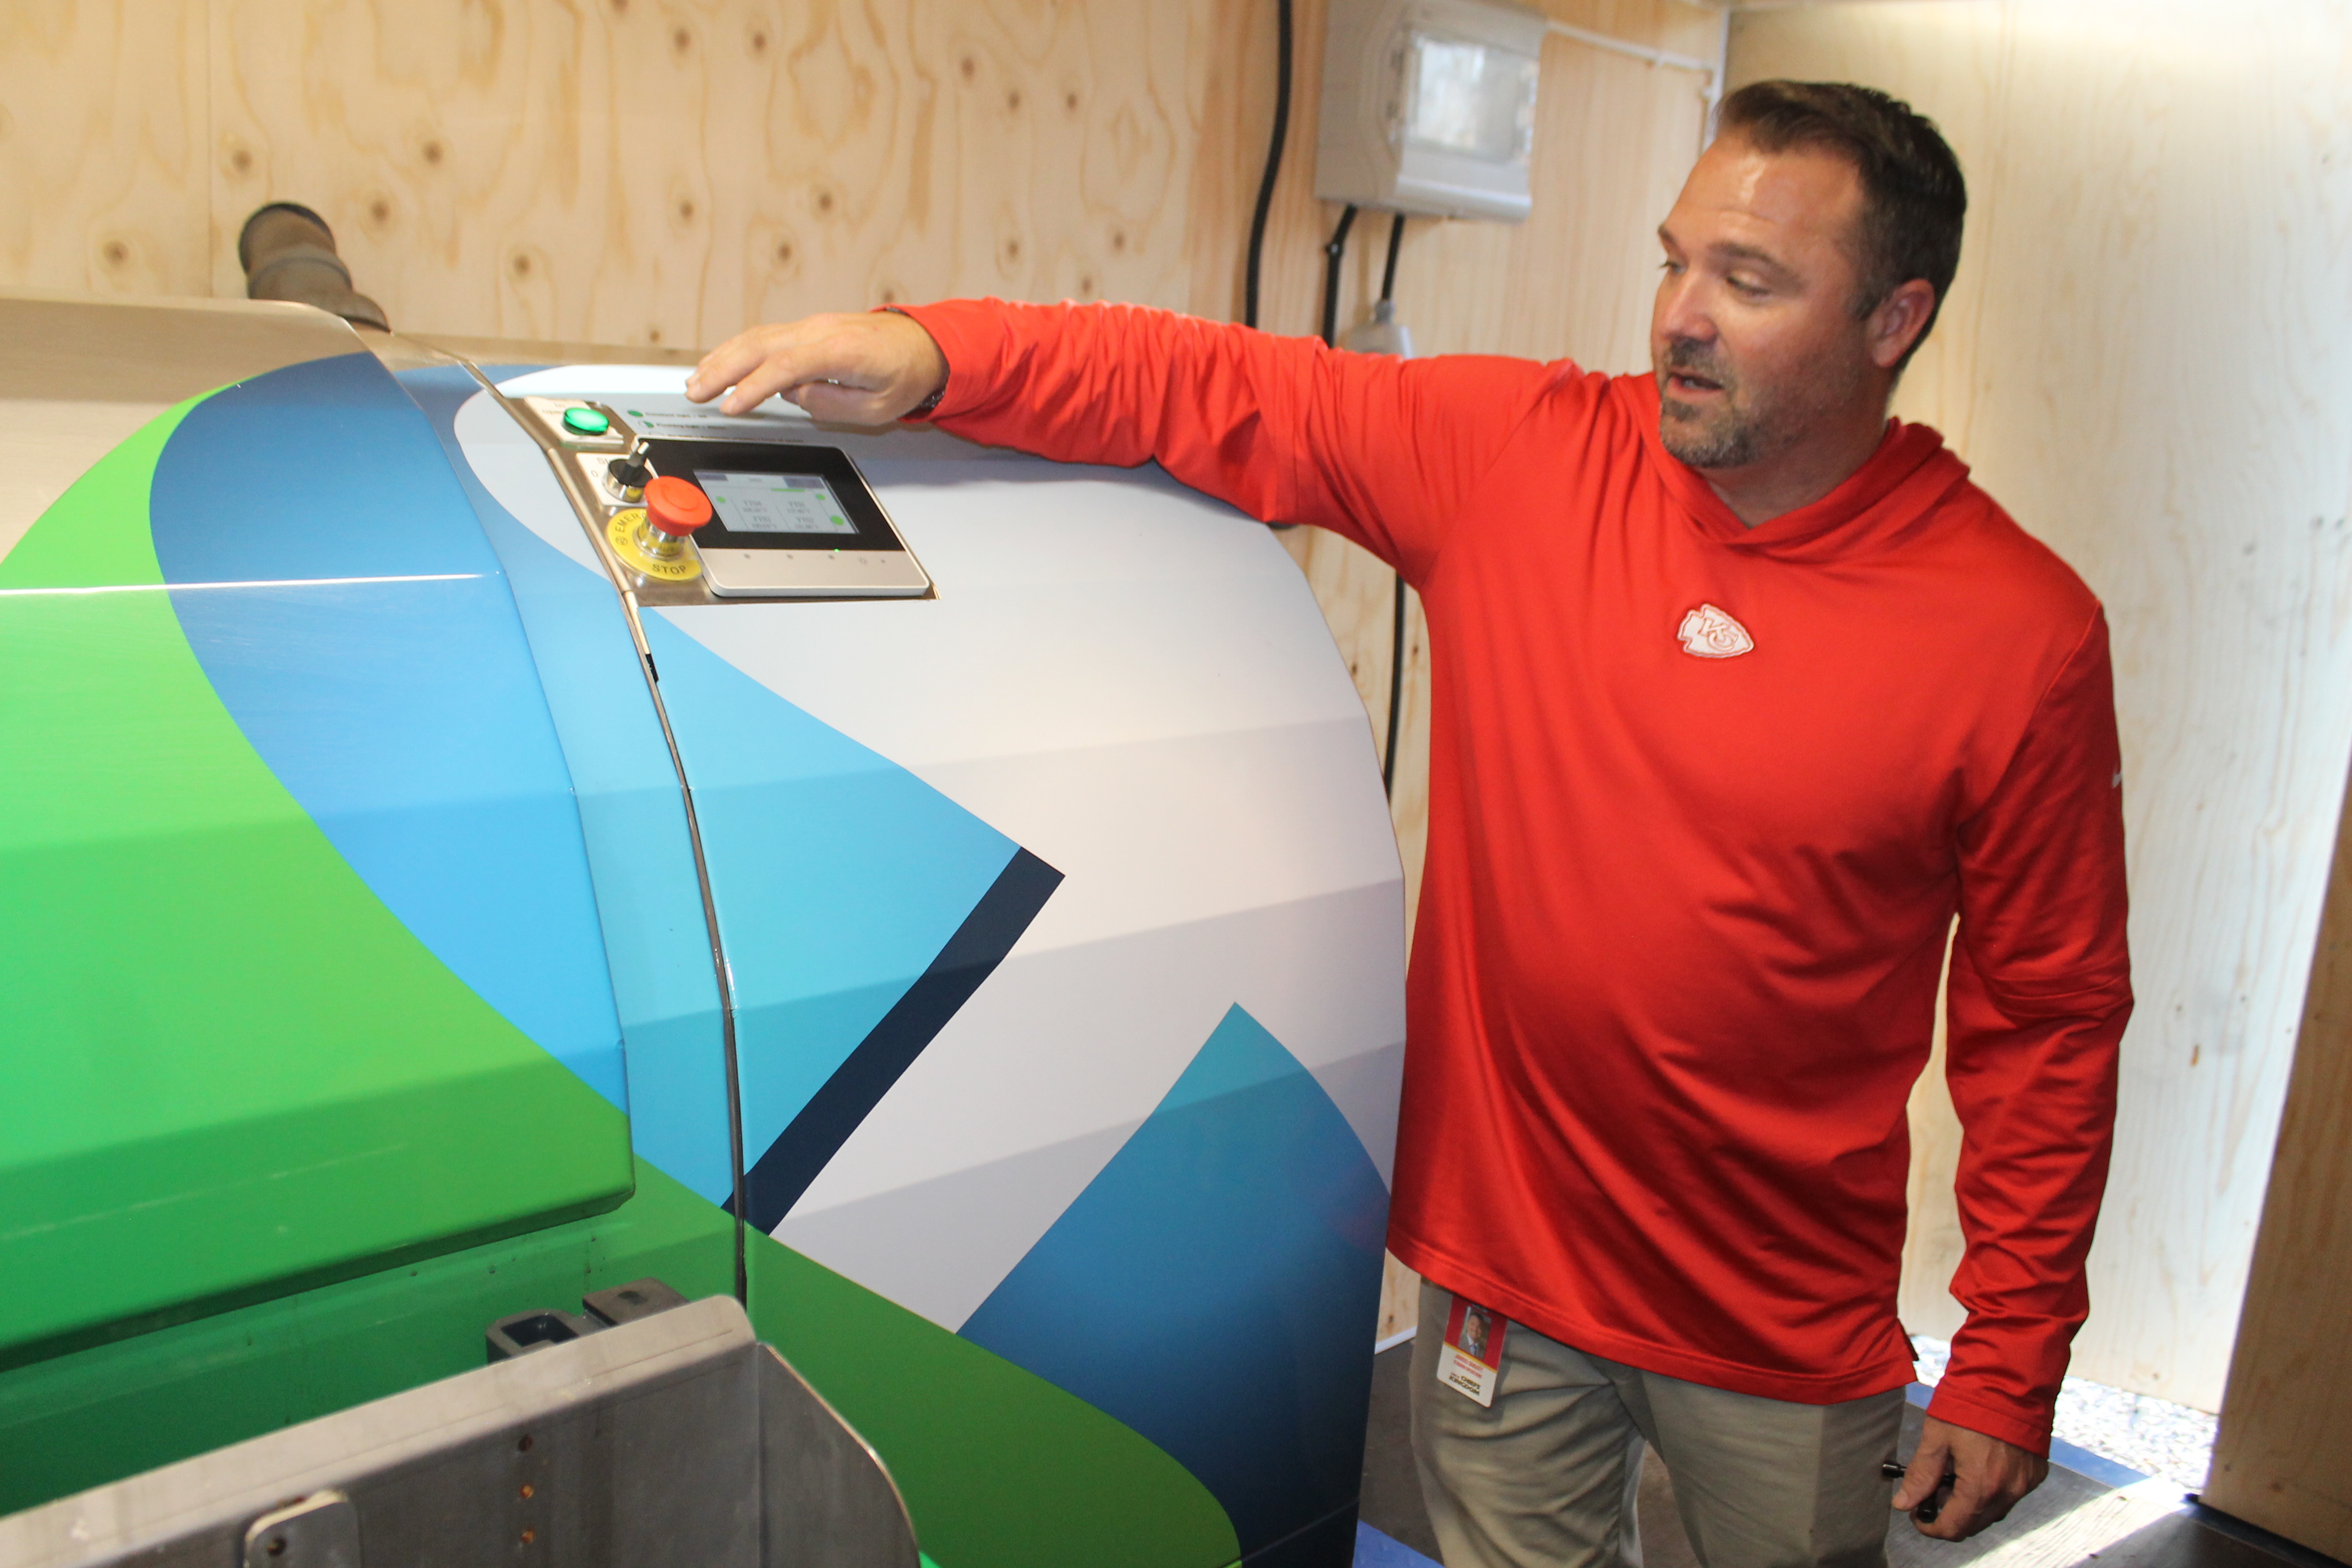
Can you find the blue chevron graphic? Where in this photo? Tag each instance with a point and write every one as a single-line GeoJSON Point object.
{"type": "Point", "coordinates": [1215, 1286]}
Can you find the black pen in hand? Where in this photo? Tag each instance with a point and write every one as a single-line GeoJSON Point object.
{"type": "Point", "coordinates": [1927, 1512]}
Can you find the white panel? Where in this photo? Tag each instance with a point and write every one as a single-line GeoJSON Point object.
{"type": "Point", "coordinates": [1020, 667]}
{"type": "Point", "coordinates": [1066, 1039]}
{"type": "Point", "coordinates": [939, 1247]}
{"type": "Point", "coordinates": [517, 475]}
{"type": "Point", "coordinates": [1072, 1041]}
{"type": "Point", "coordinates": [661, 389]}
{"type": "Point", "coordinates": [1364, 1088]}
{"type": "Point", "coordinates": [1158, 832]}
{"type": "Point", "coordinates": [604, 381]}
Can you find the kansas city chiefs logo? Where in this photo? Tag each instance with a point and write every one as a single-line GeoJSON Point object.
{"type": "Point", "coordinates": [1708, 633]}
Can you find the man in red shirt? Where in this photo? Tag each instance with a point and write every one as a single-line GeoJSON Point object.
{"type": "Point", "coordinates": [1743, 694]}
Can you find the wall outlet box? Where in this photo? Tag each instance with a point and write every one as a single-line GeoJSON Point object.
{"type": "Point", "coordinates": [1429, 106]}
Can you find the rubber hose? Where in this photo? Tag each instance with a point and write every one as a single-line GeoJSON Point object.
{"type": "Point", "coordinates": [289, 253]}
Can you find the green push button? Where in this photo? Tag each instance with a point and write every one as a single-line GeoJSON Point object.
{"type": "Point", "coordinates": [586, 421]}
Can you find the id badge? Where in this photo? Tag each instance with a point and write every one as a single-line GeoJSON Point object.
{"type": "Point", "coordinates": [1471, 1359]}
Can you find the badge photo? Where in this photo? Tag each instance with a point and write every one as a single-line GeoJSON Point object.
{"type": "Point", "coordinates": [1471, 1359]}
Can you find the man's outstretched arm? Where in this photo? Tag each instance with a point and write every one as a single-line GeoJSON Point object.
{"type": "Point", "coordinates": [1382, 450]}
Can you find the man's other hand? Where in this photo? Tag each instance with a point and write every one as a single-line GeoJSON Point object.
{"type": "Point", "coordinates": [869, 368]}
{"type": "Point", "coordinates": [1988, 1477]}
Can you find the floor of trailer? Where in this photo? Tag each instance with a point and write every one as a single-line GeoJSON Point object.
{"type": "Point", "coordinates": [2123, 1520]}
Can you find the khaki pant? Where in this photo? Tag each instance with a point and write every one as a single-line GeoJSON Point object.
{"type": "Point", "coordinates": [1547, 1477]}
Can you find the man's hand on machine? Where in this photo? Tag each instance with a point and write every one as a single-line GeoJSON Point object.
{"type": "Point", "coordinates": [866, 368]}
{"type": "Point", "coordinates": [1967, 1479]}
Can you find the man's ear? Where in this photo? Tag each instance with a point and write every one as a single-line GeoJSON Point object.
{"type": "Point", "coordinates": [1898, 321]}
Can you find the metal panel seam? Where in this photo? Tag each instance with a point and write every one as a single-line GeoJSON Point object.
{"type": "Point", "coordinates": [566, 476]}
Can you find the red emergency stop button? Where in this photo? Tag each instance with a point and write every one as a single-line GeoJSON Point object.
{"type": "Point", "coordinates": [676, 506]}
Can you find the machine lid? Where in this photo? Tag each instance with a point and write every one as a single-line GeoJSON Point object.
{"type": "Point", "coordinates": [305, 972]}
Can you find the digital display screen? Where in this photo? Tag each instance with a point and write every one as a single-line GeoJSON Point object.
{"type": "Point", "coordinates": [775, 503]}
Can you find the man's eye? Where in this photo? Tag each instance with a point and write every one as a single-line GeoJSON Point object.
{"type": "Point", "coordinates": [1746, 287]}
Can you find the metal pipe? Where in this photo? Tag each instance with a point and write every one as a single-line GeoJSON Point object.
{"type": "Point", "coordinates": [1713, 90]}
{"type": "Point", "coordinates": [289, 253]}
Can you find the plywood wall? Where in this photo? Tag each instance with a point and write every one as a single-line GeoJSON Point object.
{"type": "Point", "coordinates": [663, 173]}
{"type": "Point", "coordinates": [635, 171]}
{"type": "Point", "coordinates": [2145, 358]}
{"type": "Point", "coordinates": [2279, 1459]}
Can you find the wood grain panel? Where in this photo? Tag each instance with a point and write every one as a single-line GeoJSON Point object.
{"type": "Point", "coordinates": [668, 173]}
{"type": "Point", "coordinates": [101, 147]}
{"type": "Point", "coordinates": [639, 172]}
{"type": "Point", "coordinates": [1933, 1242]}
{"type": "Point", "coordinates": [2286, 1424]}
{"type": "Point", "coordinates": [2144, 357]}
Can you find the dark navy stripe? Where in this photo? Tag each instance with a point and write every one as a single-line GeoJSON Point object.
{"type": "Point", "coordinates": [776, 1182]}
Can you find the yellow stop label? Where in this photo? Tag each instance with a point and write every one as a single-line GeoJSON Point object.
{"type": "Point", "coordinates": [621, 535]}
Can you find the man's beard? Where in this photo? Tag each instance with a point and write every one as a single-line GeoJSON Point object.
{"type": "Point", "coordinates": [1747, 427]}
{"type": "Point", "coordinates": [1732, 437]}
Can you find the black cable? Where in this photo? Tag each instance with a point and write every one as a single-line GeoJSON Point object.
{"type": "Point", "coordinates": [1396, 242]}
{"type": "Point", "coordinates": [1334, 254]}
{"type": "Point", "coordinates": [1396, 635]}
{"type": "Point", "coordinates": [1396, 694]}
{"type": "Point", "coordinates": [1335, 251]}
{"type": "Point", "coordinates": [1273, 161]}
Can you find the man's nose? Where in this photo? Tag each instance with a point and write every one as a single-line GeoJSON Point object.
{"type": "Point", "coordinates": [1681, 311]}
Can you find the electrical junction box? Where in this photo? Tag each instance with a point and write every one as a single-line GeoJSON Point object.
{"type": "Point", "coordinates": [1429, 106]}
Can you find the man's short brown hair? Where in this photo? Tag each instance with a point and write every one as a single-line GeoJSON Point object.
{"type": "Point", "coordinates": [1913, 197]}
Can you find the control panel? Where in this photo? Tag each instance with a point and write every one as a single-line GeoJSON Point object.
{"type": "Point", "coordinates": [789, 520]}
{"type": "Point", "coordinates": [710, 509]}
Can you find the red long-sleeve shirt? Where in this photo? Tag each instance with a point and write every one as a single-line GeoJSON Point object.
{"type": "Point", "coordinates": [1704, 802]}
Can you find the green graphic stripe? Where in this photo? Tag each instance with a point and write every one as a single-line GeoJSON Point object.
{"type": "Point", "coordinates": [107, 543]}
{"type": "Point", "coordinates": [99, 1415]}
{"type": "Point", "coordinates": [1000, 1469]}
{"type": "Point", "coordinates": [230, 1070]}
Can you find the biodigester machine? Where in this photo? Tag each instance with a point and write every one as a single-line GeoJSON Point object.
{"type": "Point", "coordinates": [477, 834]}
